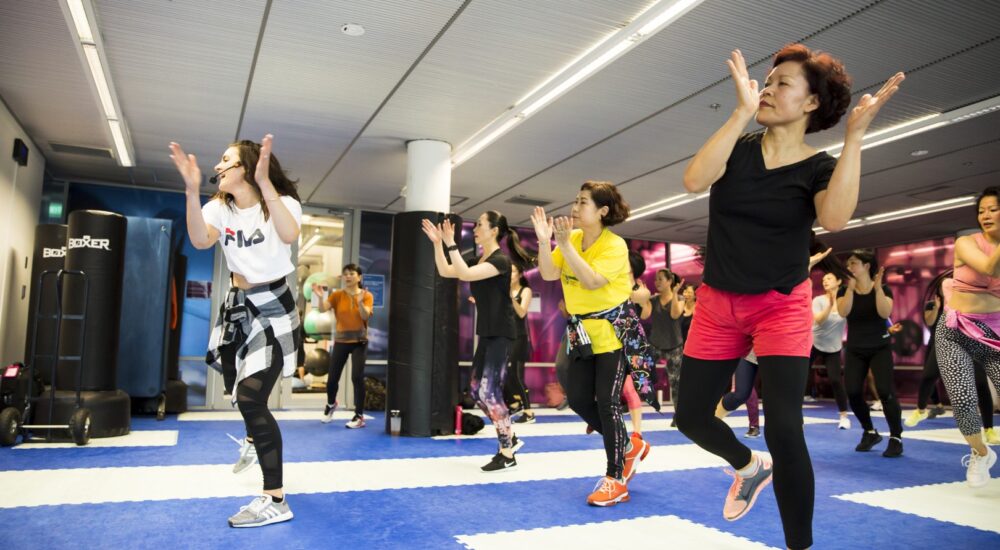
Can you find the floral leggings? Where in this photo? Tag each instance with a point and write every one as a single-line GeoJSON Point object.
{"type": "Point", "coordinates": [489, 369]}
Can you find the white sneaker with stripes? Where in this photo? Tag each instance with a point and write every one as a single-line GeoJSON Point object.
{"type": "Point", "coordinates": [262, 511]}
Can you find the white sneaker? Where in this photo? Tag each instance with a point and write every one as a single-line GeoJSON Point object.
{"type": "Point", "coordinates": [328, 411]}
{"type": "Point", "coordinates": [248, 455]}
{"type": "Point", "coordinates": [844, 424]}
{"type": "Point", "coordinates": [877, 406]}
{"type": "Point", "coordinates": [262, 511]}
{"type": "Point", "coordinates": [978, 467]}
{"type": "Point", "coordinates": [357, 422]}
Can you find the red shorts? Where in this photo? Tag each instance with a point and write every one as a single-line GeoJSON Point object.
{"type": "Point", "coordinates": [727, 324]}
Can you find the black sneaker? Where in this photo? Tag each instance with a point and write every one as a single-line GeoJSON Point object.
{"type": "Point", "coordinates": [516, 444]}
{"type": "Point", "coordinates": [500, 463]}
{"type": "Point", "coordinates": [894, 449]}
{"type": "Point", "coordinates": [868, 440]}
{"type": "Point", "coordinates": [526, 418]}
{"type": "Point", "coordinates": [935, 412]}
{"type": "Point", "coordinates": [754, 431]}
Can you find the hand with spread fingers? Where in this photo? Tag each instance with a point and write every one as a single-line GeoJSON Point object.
{"type": "Point", "coordinates": [543, 225]}
{"type": "Point", "coordinates": [563, 229]}
{"type": "Point", "coordinates": [447, 233]}
{"type": "Point", "coordinates": [187, 165]}
{"type": "Point", "coordinates": [747, 90]}
{"type": "Point", "coordinates": [432, 231]}
{"type": "Point", "coordinates": [868, 106]}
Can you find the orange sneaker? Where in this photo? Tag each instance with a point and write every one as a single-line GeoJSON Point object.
{"type": "Point", "coordinates": [608, 492]}
{"type": "Point", "coordinates": [638, 453]}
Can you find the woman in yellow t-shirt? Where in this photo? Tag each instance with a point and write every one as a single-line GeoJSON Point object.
{"type": "Point", "coordinates": [592, 263]}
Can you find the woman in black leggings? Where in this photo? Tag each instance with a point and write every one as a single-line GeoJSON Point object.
{"type": "Point", "coordinates": [866, 304]}
{"type": "Point", "coordinates": [520, 295]}
{"type": "Point", "coordinates": [253, 341]}
{"type": "Point", "coordinates": [767, 190]}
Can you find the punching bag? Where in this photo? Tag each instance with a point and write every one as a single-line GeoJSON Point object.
{"type": "Point", "coordinates": [423, 332]}
{"type": "Point", "coordinates": [96, 246]}
{"type": "Point", "coordinates": [49, 255]}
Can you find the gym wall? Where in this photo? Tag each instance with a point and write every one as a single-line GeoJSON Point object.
{"type": "Point", "coordinates": [20, 197]}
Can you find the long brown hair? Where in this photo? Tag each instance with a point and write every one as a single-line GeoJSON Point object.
{"type": "Point", "coordinates": [249, 153]}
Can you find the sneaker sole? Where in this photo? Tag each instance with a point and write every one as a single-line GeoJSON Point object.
{"type": "Point", "coordinates": [514, 467]}
{"type": "Point", "coordinates": [606, 503]}
{"type": "Point", "coordinates": [245, 468]}
{"type": "Point", "coordinates": [354, 427]}
{"type": "Point", "coordinates": [517, 446]}
{"type": "Point", "coordinates": [275, 519]}
{"type": "Point", "coordinates": [753, 499]}
{"type": "Point", "coordinates": [635, 464]}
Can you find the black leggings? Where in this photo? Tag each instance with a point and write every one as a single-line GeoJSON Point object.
{"type": "Point", "coordinates": [594, 390]}
{"type": "Point", "coordinates": [879, 360]}
{"type": "Point", "coordinates": [783, 383]}
{"type": "Point", "coordinates": [251, 398]}
{"type": "Point", "coordinates": [359, 353]}
{"type": "Point", "coordinates": [932, 374]}
{"type": "Point", "coordinates": [835, 373]}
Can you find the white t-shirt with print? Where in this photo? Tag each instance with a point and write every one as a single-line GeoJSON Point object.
{"type": "Point", "coordinates": [251, 245]}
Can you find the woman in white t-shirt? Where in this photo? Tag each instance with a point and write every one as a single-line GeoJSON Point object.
{"type": "Point", "coordinates": [254, 217]}
{"type": "Point", "coordinates": [828, 340]}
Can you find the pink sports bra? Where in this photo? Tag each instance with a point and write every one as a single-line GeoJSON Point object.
{"type": "Point", "coordinates": [967, 279]}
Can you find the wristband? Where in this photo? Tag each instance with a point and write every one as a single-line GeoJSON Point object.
{"type": "Point", "coordinates": [450, 248]}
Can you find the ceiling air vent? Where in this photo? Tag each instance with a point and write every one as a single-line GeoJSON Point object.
{"type": "Point", "coordinates": [80, 150]}
{"type": "Point", "coordinates": [521, 199]}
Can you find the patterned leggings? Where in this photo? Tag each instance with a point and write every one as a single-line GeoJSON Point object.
{"type": "Point", "coordinates": [489, 368]}
{"type": "Point", "coordinates": [957, 354]}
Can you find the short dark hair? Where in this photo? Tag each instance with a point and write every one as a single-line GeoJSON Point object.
{"type": "Point", "coordinates": [357, 269]}
{"type": "Point", "coordinates": [604, 193]}
{"type": "Point", "coordinates": [990, 191]}
{"type": "Point", "coordinates": [867, 256]}
{"type": "Point", "coordinates": [827, 79]}
{"type": "Point", "coordinates": [637, 263]}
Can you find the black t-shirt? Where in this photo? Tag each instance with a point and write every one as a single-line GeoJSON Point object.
{"type": "Point", "coordinates": [865, 328]}
{"type": "Point", "coordinates": [494, 309]}
{"type": "Point", "coordinates": [520, 323]}
{"type": "Point", "coordinates": [665, 333]}
{"type": "Point", "coordinates": [760, 220]}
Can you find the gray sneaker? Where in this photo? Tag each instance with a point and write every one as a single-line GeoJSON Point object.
{"type": "Point", "coordinates": [248, 455]}
{"type": "Point", "coordinates": [262, 511]}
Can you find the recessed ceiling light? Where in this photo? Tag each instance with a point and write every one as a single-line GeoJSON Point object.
{"type": "Point", "coordinates": [715, 106]}
{"type": "Point", "coordinates": [352, 29]}
{"type": "Point", "coordinates": [919, 153]}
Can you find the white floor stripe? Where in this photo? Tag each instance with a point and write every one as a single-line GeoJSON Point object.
{"type": "Point", "coordinates": [949, 502]}
{"type": "Point", "coordinates": [209, 416]}
{"type": "Point", "coordinates": [578, 428]}
{"type": "Point", "coordinates": [142, 438]}
{"type": "Point", "coordinates": [551, 411]}
{"type": "Point", "coordinates": [135, 484]}
{"type": "Point", "coordinates": [649, 532]}
{"type": "Point", "coordinates": [940, 435]}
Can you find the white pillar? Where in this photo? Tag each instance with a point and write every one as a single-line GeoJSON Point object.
{"type": "Point", "coordinates": [428, 175]}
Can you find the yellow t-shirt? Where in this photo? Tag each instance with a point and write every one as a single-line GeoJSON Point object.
{"type": "Point", "coordinates": [608, 256]}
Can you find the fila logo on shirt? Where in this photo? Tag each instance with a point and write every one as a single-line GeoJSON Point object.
{"type": "Point", "coordinates": [87, 242]}
{"type": "Point", "coordinates": [241, 241]}
{"type": "Point", "coordinates": [54, 252]}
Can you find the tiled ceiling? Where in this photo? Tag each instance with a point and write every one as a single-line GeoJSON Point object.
{"type": "Point", "coordinates": [342, 108]}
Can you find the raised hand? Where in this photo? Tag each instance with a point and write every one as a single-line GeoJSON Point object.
{"type": "Point", "coordinates": [543, 224]}
{"type": "Point", "coordinates": [852, 284]}
{"type": "Point", "coordinates": [263, 173]}
{"type": "Point", "coordinates": [432, 231]}
{"type": "Point", "coordinates": [187, 165]}
{"type": "Point", "coordinates": [447, 233]}
{"type": "Point", "coordinates": [641, 295]}
{"type": "Point", "coordinates": [747, 93]}
{"type": "Point", "coordinates": [563, 228]}
{"type": "Point", "coordinates": [818, 257]}
{"type": "Point", "coordinates": [868, 106]}
{"type": "Point", "coordinates": [878, 277]}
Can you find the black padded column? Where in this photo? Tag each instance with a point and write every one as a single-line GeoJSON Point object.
{"type": "Point", "coordinates": [423, 332]}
